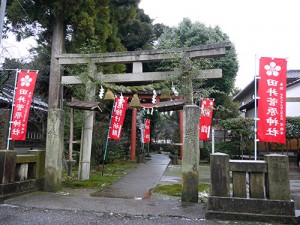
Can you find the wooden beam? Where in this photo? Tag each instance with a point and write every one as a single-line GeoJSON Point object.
{"type": "Point", "coordinates": [201, 51]}
{"type": "Point", "coordinates": [138, 77]}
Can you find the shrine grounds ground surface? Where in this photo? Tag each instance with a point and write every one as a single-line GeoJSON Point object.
{"type": "Point", "coordinates": [128, 201]}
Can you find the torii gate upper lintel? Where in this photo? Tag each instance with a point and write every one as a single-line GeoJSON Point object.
{"type": "Point", "coordinates": [137, 58]}
{"type": "Point", "coordinates": [201, 51]}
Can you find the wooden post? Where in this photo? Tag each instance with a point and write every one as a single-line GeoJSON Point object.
{"type": "Point", "coordinates": [133, 135]}
{"type": "Point", "coordinates": [71, 142]}
{"type": "Point", "coordinates": [181, 132]}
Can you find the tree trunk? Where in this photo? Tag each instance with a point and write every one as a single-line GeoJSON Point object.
{"type": "Point", "coordinates": [55, 124]}
{"type": "Point", "coordinates": [55, 69]}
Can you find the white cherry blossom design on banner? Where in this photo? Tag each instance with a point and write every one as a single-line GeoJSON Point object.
{"type": "Point", "coordinates": [272, 69]}
{"type": "Point", "coordinates": [25, 81]}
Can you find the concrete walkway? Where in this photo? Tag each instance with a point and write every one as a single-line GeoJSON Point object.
{"type": "Point", "coordinates": [136, 184]}
{"type": "Point", "coordinates": [129, 196]}
{"type": "Point", "coordinates": [123, 197]}
{"type": "Point", "coordinates": [295, 188]}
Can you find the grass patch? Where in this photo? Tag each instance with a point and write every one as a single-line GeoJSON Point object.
{"type": "Point", "coordinates": [112, 173]}
{"type": "Point", "coordinates": [176, 189]}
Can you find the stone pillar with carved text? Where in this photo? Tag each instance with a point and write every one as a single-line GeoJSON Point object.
{"type": "Point", "coordinates": [190, 160]}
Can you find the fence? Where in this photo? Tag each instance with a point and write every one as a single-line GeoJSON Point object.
{"type": "Point", "coordinates": [250, 190]}
{"type": "Point", "coordinates": [21, 173]}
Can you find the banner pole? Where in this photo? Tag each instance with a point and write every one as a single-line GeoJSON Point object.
{"type": "Point", "coordinates": [213, 141]}
{"type": "Point", "coordinates": [12, 108]}
{"type": "Point", "coordinates": [255, 111]}
{"type": "Point", "coordinates": [106, 144]}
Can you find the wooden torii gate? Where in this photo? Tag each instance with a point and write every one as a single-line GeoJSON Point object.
{"type": "Point", "coordinates": [137, 58]}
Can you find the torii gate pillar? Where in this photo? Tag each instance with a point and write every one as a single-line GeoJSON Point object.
{"type": "Point", "coordinates": [190, 160]}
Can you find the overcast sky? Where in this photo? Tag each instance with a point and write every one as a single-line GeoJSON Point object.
{"type": "Point", "coordinates": [269, 28]}
{"type": "Point", "coordinates": [257, 28]}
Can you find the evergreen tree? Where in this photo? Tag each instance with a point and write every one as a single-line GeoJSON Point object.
{"type": "Point", "coordinates": [81, 26]}
{"type": "Point", "coordinates": [188, 34]}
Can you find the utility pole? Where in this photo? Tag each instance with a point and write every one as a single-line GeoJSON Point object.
{"type": "Point", "coordinates": [2, 14]}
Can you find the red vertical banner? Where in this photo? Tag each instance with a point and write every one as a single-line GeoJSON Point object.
{"type": "Point", "coordinates": [271, 126]}
{"type": "Point", "coordinates": [23, 97]}
{"type": "Point", "coordinates": [205, 119]}
{"type": "Point", "coordinates": [117, 119]}
{"type": "Point", "coordinates": [147, 131]}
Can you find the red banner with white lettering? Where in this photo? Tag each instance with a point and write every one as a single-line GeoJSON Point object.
{"type": "Point", "coordinates": [23, 98]}
{"type": "Point", "coordinates": [271, 126]}
{"type": "Point", "coordinates": [205, 119]}
{"type": "Point", "coordinates": [118, 116]}
{"type": "Point", "coordinates": [147, 131]}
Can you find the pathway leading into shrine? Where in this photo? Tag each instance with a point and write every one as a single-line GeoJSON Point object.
{"type": "Point", "coordinates": [137, 183]}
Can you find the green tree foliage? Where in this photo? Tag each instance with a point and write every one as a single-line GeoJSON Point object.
{"type": "Point", "coordinates": [240, 136]}
{"type": "Point", "coordinates": [111, 24]}
{"type": "Point", "coordinates": [293, 129]}
{"type": "Point", "coordinates": [9, 70]}
{"type": "Point", "coordinates": [85, 21]}
{"type": "Point", "coordinates": [8, 73]}
{"type": "Point", "coordinates": [138, 33]}
{"type": "Point", "coordinates": [188, 34]}
{"type": "Point", "coordinates": [89, 26]}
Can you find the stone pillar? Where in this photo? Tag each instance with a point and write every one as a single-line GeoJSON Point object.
{"type": "Point", "coordinates": [220, 179]}
{"type": "Point", "coordinates": [133, 135]}
{"type": "Point", "coordinates": [54, 149]}
{"type": "Point", "coordinates": [190, 160]}
{"type": "Point", "coordinates": [85, 152]}
{"type": "Point", "coordinates": [4, 125]}
{"type": "Point", "coordinates": [278, 184]}
{"type": "Point", "coordinates": [7, 166]}
{"type": "Point", "coordinates": [39, 167]}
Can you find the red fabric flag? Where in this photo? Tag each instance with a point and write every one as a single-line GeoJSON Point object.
{"type": "Point", "coordinates": [118, 118]}
{"type": "Point", "coordinates": [23, 98]}
{"type": "Point", "coordinates": [205, 118]}
{"type": "Point", "coordinates": [147, 131]}
{"type": "Point", "coordinates": [271, 126]}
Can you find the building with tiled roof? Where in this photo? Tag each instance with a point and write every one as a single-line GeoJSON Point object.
{"type": "Point", "coordinates": [246, 96]}
{"type": "Point", "coordinates": [37, 122]}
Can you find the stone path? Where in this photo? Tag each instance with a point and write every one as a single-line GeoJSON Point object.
{"type": "Point", "coordinates": [137, 183]}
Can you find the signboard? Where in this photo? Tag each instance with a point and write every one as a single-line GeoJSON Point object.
{"type": "Point", "coordinates": [205, 119]}
{"type": "Point", "coordinates": [147, 131]}
{"type": "Point", "coordinates": [271, 126]}
{"type": "Point", "coordinates": [22, 101]}
{"type": "Point", "coordinates": [118, 116]}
